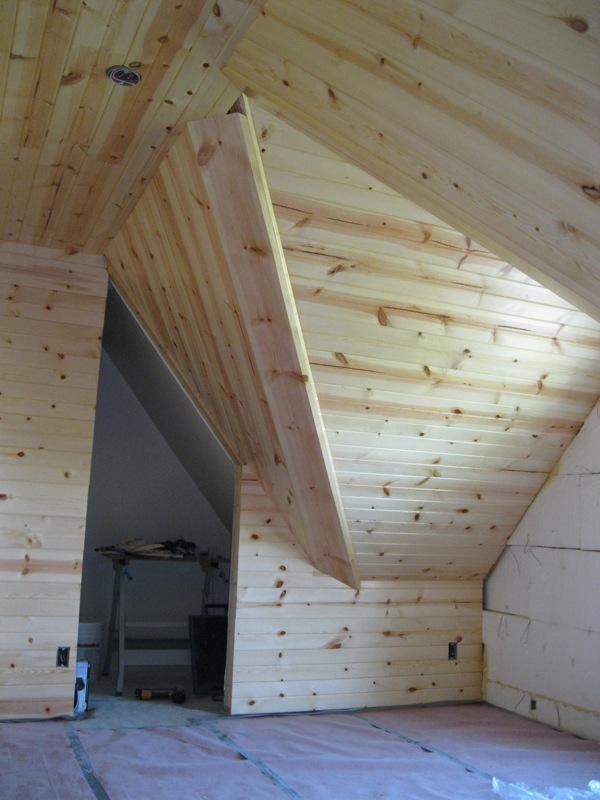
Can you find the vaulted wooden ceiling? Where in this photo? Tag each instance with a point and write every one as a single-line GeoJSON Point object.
{"type": "Point", "coordinates": [423, 242]}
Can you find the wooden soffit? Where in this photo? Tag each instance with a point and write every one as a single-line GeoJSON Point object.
{"type": "Point", "coordinates": [488, 118]}
{"type": "Point", "coordinates": [201, 262]}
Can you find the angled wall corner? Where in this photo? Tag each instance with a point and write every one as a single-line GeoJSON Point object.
{"type": "Point", "coordinates": [541, 629]}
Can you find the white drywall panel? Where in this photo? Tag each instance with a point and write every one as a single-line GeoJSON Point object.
{"type": "Point", "coordinates": [548, 585]}
{"type": "Point", "coordinates": [541, 602]}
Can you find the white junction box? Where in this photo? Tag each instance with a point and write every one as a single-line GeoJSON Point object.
{"type": "Point", "coordinates": [82, 686]}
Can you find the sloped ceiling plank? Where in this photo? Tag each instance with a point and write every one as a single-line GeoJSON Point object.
{"type": "Point", "coordinates": [490, 136]}
{"type": "Point", "coordinates": [6, 35]}
{"type": "Point", "coordinates": [77, 150]}
{"type": "Point", "coordinates": [449, 382]}
{"type": "Point", "coordinates": [152, 266]}
{"type": "Point", "coordinates": [511, 20]}
{"type": "Point", "coordinates": [231, 171]}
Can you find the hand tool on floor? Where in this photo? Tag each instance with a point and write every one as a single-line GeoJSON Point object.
{"type": "Point", "coordinates": [175, 695]}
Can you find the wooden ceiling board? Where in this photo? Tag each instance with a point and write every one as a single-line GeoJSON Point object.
{"type": "Point", "coordinates": [448, 391]}
{"type": "Point", "coordinates": [173, 302]}
{"type": "Point", "coordinates": [78, 150]}
{"type": "Point", "coordinates": [445, 112]}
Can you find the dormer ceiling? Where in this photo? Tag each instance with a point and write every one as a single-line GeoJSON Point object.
{"type": "Point", "coordinates": [432, 178]}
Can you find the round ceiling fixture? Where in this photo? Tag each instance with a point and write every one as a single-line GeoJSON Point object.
{"type": "Point", "coordinates": [123, 76]}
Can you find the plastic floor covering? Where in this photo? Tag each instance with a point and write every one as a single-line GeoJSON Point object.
{"type": "Point", "coordinates": [416, 753]}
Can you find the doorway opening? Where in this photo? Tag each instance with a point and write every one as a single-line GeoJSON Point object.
{"type": "Point", "coordinates": [157, 558]}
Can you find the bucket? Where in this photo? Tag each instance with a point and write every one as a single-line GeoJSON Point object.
{"type": "Point", "coordinates": [89, 644]}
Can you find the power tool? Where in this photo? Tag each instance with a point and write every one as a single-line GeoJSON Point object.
{"type": "Point", "coordinates": [175, 695]}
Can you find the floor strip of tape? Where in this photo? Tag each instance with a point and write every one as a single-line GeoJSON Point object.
{"type": "Point", "coordinates": [85, 765]}
{"type": "Point", "coordinates": [424, 746]}
{"type": "Point", "coordinates": [258, 763]}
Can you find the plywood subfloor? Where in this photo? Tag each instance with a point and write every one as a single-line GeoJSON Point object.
{"type": "Point", "coordinates": [422, 753]}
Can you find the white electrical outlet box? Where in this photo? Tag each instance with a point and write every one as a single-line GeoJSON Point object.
{"type": "Point", "coordinates": [82, 686]}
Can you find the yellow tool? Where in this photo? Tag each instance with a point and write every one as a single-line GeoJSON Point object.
{"type": "Point", "coordinates": [176, 695]}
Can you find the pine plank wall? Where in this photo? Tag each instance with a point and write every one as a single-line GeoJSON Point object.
{"type": "Point", "coordinates": [303, 641]}
{"type": "Point", "coordinates": [51, 318]}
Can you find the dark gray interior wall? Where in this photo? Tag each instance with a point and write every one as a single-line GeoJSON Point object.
{"type": "Point", "coordinates": [139, 488]}
{"type": "Point", "coordinates": [169, 407]}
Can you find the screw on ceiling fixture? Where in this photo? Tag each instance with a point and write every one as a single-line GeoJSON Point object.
{"type": "Point", "coordinates": [123, 76]}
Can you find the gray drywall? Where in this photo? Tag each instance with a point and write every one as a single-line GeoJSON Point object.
{"type": "Point", "coordinates": [168, 406]}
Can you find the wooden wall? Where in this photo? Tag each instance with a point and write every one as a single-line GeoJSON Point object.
{"type": "Point", "coordinates": [302, 641]}
{"type": "Point", "coordinates": [51, 317]}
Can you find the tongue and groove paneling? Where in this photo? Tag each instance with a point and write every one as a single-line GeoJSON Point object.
{"type": "Point", "coordinates": [305, 642]}
{"type": "Point", "coordinates": [51, 318]}
{"type": "Point", "coordinates": [449, 382]}
{"type": "Point", "coordinates": [487, 118]}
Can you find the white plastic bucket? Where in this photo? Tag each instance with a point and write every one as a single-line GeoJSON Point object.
{"type": "Point", "coordinates": [89, 644]}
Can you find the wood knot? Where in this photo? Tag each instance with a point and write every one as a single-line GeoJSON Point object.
{"type": "Point", "coordinates": [258, 251]}
{"type": "Point", "coordinates": [333, 100]}
{"type": "Point", "coordinates": [593, 192]}
{"type": "Point", "coordinates": [205, 154]}
{"type": "Point", "coordinates": [71, 79]}
{"type": "Point", "coordinates": [578, 24]}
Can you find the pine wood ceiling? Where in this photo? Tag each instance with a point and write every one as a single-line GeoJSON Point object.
{"type": "Point", "coordinates": [76, 149]}
{"type": "Point", "coordinates": [449, 382]}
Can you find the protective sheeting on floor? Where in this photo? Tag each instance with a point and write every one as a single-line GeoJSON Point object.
{"type": "Point", "coordinates": [37, 761]}
{"type": "Point", "coordinates": [414, 754]}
